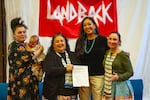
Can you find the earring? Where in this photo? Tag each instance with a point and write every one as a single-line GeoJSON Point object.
{"type": "Point", "coordinates": [94, 31]}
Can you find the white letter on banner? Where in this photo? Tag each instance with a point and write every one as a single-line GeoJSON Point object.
{"type": "Point", "coordinates": [105, 13]}
{"type": "Point", "coordinates": [73, 13]}
{"type": "Point", "coordinates": [81, 12]}
{"type": "Point", "coordinates": [70, 13]}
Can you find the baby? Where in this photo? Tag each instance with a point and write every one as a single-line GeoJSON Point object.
{"type": "Point", "coordinates": [33, 45]}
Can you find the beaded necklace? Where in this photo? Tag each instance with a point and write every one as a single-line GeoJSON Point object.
{"type": "Point", "coordinates": [62, 59]}
{"type": "Point", "coordinates": [68, 76]}
{"type": "Point", "coordinates": [85, 48]}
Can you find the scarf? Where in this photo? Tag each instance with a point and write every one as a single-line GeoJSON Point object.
{"type": "Point", "coordinates": [68, 76]}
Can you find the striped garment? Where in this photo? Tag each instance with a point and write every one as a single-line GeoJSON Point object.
{"type": "Point", "coordinates": [115, 90]}
{"type": "Point", "coordinates": [108, 74]}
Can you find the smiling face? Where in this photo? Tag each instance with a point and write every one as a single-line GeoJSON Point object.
{"type": "Point", "coordinates": [113, 40]}
{"type": "Point", "coordinates": [88, 26]}
{"type": "Point", "coordinates": [20, 34]}
{"type": "Point", "coordinates": [59, 44]}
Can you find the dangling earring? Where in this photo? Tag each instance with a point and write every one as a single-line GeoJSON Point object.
{"type": "Point", "coordinates": [94, 31]}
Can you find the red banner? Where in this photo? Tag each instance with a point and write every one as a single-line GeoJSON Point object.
{"type": "Point", "coordinates": [66, 15]}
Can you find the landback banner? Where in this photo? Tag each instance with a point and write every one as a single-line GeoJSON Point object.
{"type": "Point", "coordinates": [65, 16]}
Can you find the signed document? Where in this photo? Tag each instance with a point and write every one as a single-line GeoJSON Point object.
{"type": "Point", "coordinates": [80, 76]}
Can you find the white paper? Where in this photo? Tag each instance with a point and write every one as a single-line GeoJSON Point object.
{"type": "Point", "coordinates": [80, 76]}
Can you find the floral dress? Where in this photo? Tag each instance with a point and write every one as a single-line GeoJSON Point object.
{"type": "Point", "coordinates": [23, 85]}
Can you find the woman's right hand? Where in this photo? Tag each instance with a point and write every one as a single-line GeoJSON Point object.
{"type": "Point", "coordinates": [69, 68]}
{"type": "Point", "coordinates": [114, 77]}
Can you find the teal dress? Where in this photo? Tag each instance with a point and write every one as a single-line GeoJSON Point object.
{"type": "Point", "coordinates": [23, 85]}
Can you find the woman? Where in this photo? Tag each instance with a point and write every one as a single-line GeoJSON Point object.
{"type": "Point", "coordinates": [58, 65]}
{"type": "Point", "coordinates": [118, 70]}
{"type": "Point", "coordinates": [23, 85]}
{"type": "Point", "coordinates": [90, 48]}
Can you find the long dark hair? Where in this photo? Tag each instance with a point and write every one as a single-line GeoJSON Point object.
{"type": "Point", "coordinates": [51, 48]}
{"type": "Point", "coordinates": [17, 22]}
{"type": "Point", "coordinates": [79, 49]}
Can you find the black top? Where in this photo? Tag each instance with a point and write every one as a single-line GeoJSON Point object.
{"type": "Point", "coordinates": [55, 76]}
{"type": "Point", "coordinates": [95, 57]}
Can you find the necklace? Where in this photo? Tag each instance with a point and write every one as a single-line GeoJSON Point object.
{"type": "Point", "coordinates": [85, 48]}
{"type": "Point", "coordinates": [62, 59]}
{"type": "Point", "coordinates": [68, 76]}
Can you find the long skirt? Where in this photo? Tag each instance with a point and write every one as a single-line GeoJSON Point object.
{"type": "Point", "coordinates": [120, 91]}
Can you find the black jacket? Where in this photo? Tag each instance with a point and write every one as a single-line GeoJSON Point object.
{"type": "Point", "coordinates": [55, 75]}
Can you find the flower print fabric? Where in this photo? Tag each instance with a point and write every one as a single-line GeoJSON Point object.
{"type": "Point", "coordinates": [23, 85]}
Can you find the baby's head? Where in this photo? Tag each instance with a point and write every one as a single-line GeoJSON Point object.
{"type": "Point", "coordinates": [33, 41]}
